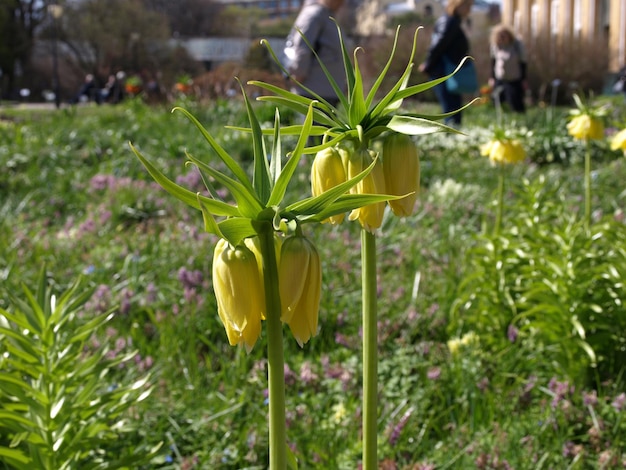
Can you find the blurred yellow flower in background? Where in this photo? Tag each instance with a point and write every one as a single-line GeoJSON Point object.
{"type": "Point", "coordinates": [586, 127]}
{"type": "Point", "coordinates": [503, 151]}
{"type": "Point", "coordinates": [618, 142]}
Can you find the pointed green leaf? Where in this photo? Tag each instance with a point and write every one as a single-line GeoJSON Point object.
{"type": "Point", "coordinates": [347, 65]}
{"type": "Point", "coordinates": [236, 229]}
{"type": "Point", "coordinates": [379, 80]}
{"type": "Point", "coordinates": [247, 202]}
{"type": "Point", "coordinates": [290, 167]}
{"type": "Point", "coordinates": [417, 126]}
{"type": "Point", "coordinates": [226, 158]}
{"type": "Point", "coordinates": [277, 152]}
{"type": "Point", "coordinates": [357, 109]}
{"type": "Point", "coordinates": [210, 224]}
{"type": "Point", "coordinates": [188, 197]}
{"type": "Point", "coordinates": [14, 457]}
{"type": "Point", "coordinates": [261, 174]}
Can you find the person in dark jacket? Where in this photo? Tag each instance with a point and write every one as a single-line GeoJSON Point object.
{"type": "Point", "coordinates": [448, 40]}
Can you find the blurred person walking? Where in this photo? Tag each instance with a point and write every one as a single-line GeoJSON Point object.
{"type": "Point", "coordinates": [508, 68]}
{"type": "Point", "coordinates": [315, 23]}
{"type": "Point", "coordinates": [448, 44]}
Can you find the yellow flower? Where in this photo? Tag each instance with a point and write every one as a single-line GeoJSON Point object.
{"type": "Point", "coordinates": [327, 172]}
{"type": "Point", "coordinates": [619, 141]}
{"type": "Point", "coordinates": [370, 216]}
{"type": "Point", "coordinates": [585, 127]}
{"type": "Point", "coordinates": [454, 345]}
{"type": "Point", "coordinates": [300, 287]}
{"type": "Point", "coordinates": [503, 151]}
{"type": "Point", "coordinates": [239, 292]}
{"type": "Point", "coordinates": [401, 168]}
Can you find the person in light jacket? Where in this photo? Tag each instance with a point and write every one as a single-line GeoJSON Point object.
{"type": "Point", "coordinates": [448, 40]}
{"type": "Point", "coordinates": [508, 67]}
{"type": "Point", "coordinates": [314, 21]}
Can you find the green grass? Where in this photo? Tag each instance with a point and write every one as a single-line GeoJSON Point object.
{"type": "Point", "coordinates": [73, 196]}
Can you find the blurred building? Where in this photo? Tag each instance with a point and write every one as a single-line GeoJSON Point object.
{"type": "Point", "coordinates": [567, 28]}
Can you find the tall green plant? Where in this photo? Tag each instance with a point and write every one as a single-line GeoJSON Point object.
{"type": "Point", "coordinates": [352, 127]}
{"type": "Point", "coordinates": [548, 287]}
{"type": "Point", "coordinates": [62, 405]}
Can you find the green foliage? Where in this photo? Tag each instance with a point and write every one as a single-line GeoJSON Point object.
{"type": "Point", "coordinates": [555, 290]}
{"type": "Point", "coordinates": [75, 197]}
{"type": "Point", "coordinates": [63, 402]}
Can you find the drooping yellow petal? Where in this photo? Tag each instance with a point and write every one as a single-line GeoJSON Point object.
{"type": "Point", "coordinates": [619, 141]}
{"type": "Point", "coordinates": [294, 263]}
{"type": "Point", "coordinates": [401, 168]}
{"type": "Point", "coordinates": [327, 172]}
{"type": "Point", "coordinates": [586, 127]}
{"type": "Point", "coordinates": [239, 293]}
{"type": "Point", "coordinates": [302, 315]}
{"type": "Point", "coordinates": [371, 216]}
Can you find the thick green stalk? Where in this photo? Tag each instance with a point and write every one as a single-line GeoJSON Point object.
{"type": "Point", "coordinates": [499, 209]}
{"type": "Point", "coordinates": [370, 350]}
{"type": "Point", "coordinates": [587, 185]}
{"type": "Point", "coordinates": [275, 355]}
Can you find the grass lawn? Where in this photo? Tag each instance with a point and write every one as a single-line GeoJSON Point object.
{"type": "Point", "coordinates": [500, 346]}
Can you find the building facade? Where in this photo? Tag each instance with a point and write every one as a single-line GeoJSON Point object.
{"type": "Point", "coordinates": [567, 28]}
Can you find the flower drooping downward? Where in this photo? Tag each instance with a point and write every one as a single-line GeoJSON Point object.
{"type": "Point", "coordinates": [370, 216]}
{"type": "Point", "coordinates": [586, 127]}
{"type": "Point", "coordinates": [300, 283]}
{"type": "Point", "coordinates": [401, 167]}
{"type": "Point", "coordinates": [327, 172]}
{"type": "Point", "coordinates": [506, 151]}
{"type": "Point", "coordinates": [239, 292]}
{"type": "Point", "coordinates": [619, 141]}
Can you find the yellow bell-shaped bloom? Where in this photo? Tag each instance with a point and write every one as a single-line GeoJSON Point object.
{"type": "Point", "coordinates": [619, 141]}
{"type": "Point", "coordinates": [508, 151]}
{"type": "Point", "coordinates": [300, 287]}
{"type": "Point", "coordinates": [327, 172]}
{"type": "Point", "coordinates": [586, 127]}
{"type": "Point", "coordinates": [371, 216]}
{"type": "Point", "coordinates": [401, 168]}
{"type": "Point", "coordinates": [254, 245]}
{"type": "Point", "coordinates": [239, 292]}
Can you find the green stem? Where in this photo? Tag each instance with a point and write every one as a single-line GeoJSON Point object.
{"type": "Point", "coordinates": [499, 209]}
{"type": "Point", "coordinates": [587, 185]}
{"type": "Point", "coordinates": [275, 355]}
{"type": "Point", "coordinates": [370, 350]}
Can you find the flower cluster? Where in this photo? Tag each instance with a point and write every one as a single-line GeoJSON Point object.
{"type": "Point", "coordinates": [396, 175]}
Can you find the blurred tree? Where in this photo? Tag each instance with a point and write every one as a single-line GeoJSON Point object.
{"type": "Point", "coordinates": [107, 35]}
{"type": "Point", "coordinates": [188, 18]}
{"type": "Point", "coordinates": [19, 20]}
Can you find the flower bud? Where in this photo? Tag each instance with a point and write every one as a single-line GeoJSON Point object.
{"type": "Point", "coordinates": [401, 167]}
{"type": "Point", "coordinates": [370, 216]}
{"type": "Point", "coordinates": [239, 292]}
{"type": "Point", "coordinates": [327, 172]}
{"type": "Point", "coordinates": [300, 286]}
{"type": "Point", "coordinates": [585, 127]}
